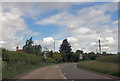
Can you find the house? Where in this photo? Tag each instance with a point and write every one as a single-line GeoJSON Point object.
{"type": "Point", "coordinates": [19, 50]}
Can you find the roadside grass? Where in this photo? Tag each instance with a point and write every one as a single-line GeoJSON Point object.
{"type": "Point", "coordinates": [102, 67]}
{"type": "Point", "coordinates": [109, 59]}
{"type": "Point", "coordinates": [9, 73]}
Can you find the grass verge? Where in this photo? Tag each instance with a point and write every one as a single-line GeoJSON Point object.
{"type": "Point", "coordinates": [9, 73]}
{"type": "Point", "coordinates": [106, 68]}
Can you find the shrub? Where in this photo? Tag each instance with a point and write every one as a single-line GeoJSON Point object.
{"type": "Point", "coordinates": [49, 60]}
{"type": "Point", "coordinates": [14, 59]}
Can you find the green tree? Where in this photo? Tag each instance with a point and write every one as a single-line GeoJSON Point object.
{"type": "Point", "coordinates": [66, 47]}
{"type": "Point", "coordinates": [57, 57]}
{"type": "Point", "coordinates": [37, 50]}
{"type": "Point", "coordinates": [28, 48]}
{"type": "Point", "coordinates": [79, 51]}
{"type": "Point", "coordinates": [49, 53]}
{"type": "Point", "coordinates": [92, 56]}
{"type": "Point", "coordinates": [104, 54]}
{"type": "Point", "coordinates": [64, 56]}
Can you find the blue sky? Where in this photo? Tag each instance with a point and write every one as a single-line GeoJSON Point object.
{"type": "Point", "coordinates": [81, 23]}
{"type": "Point", "coordinates": [51, 29]}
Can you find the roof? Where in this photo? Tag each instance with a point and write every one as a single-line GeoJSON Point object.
{"type": "Point", "coordinates": [20, 50]}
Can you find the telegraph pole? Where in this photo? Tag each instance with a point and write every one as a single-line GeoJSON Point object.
{"type": "Point", "coordinates": [54, 46]}
{"type": "Point", "coordinates": [99, 47]}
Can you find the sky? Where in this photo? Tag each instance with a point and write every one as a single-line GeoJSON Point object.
{"type": "Point", "coordinates": [81, 23]}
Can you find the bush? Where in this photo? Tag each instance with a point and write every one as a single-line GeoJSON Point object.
{"type": "Point", "coordinates": [49, 60]}
{"type": "Point", "coordinates": [57, 57]}
{"type": "Point", "coordinates": [14, 59]}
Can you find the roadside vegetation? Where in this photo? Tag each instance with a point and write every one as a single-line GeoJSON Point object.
{"type": "Point", "coordinates": [15, 63]}
{"type": "Point", "coordinates": [32, 56]}
{"type": "Point", "coordinates": [104, 64]}
{"type": "Point", "coordinates": [109, 59]}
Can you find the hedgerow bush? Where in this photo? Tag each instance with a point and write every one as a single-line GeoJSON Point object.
{"type": "Point", "coordinates": [49, 60]}
{"type": "Point", "coordinates": [108, 59]}
{"type": "Point", "coordinates": [13, 59]}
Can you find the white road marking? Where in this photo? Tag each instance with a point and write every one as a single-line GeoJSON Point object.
{"type": "Point", "coordinates": [75, 66]}
{"type": "Point", "coordinates": [62, 74]}
{"type": "Point", "coordinates": [56, 66]}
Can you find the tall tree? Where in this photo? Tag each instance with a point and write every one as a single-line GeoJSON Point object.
{"type": "Point", "coordinates": [66, 47]}
{"type": "Point", "coordinates": [28, 48]}
{"type": "Point", "coordinates": [37, 50]}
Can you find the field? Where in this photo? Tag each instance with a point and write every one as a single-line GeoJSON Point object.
{"type": "Point", "coordinates": [109, 59]}
{"type": "Point", "coordinates": [102, 67]}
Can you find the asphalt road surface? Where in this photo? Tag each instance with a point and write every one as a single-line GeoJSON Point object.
{"type": "Point", "coordinates": [71, 71]}
{"type": "Point", "coordinates": [62, 71]}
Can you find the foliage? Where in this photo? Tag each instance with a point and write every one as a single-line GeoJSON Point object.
{"type": "Point", "coordinates": [110, 59]}
{"type": "Point", "coordinates": [49, 60]}
{"type": "Point", "coordinates": [37, 49]}
{"type": "Point", "coordinates": [28, 46]}
{"type": "Point", "coordinates": [92, 56]}
{"type": "Point", "coordinates": [76, 56]}
{"type": "Point", "coordinates": [14, 59]}
{"type": "Point", "coordinates": [32, 49]}
{"type": "Point", "coordinates": [79, 51]}
{"type": "Point", "coordinates": [57, 57]}
{"type": "Point", "coordinates": [64, 56]}
{"type": "Point", "coordinates": [66, 47]}
{"type": "Point", "coordinates": [49, 53]}
{"type": "Point", "coordinates": [106, 68]}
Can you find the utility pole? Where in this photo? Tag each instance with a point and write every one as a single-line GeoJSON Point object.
{"type": "Point", "coordinates": [99, 47]}
{"type": "Point", "coordinates": [54, 46]}
{"type": "Point", "coordinates": [96, 50]}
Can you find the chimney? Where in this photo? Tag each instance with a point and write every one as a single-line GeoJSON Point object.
{"type": "Point", "coordinates": [17, 48]}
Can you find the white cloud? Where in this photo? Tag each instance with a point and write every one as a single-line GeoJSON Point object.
{"type": "Point", "coordinates": [61, 1]}
{"type": "Point", "coordinates": [13, 26]}
{"type": "Point", "coordinates": [2, 42]}
{"type": "Point", "coordinates": [87, 26]}
{"type": "Point", "coordinates": [48, 41]}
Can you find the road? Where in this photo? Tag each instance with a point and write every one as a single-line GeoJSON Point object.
{"type": "Point", "coordinates": [72, 72]}
{"type": "Point", "coordinates": [62, 71]}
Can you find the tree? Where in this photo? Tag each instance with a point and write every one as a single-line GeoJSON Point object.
{"type": "Point", "coordinates": [66, 47]}
{"type": "Point", "coordinates": [104, 53]}
{"type": "Point", "coordinates": [49, 53]}
{"type": "Point", "coordinates": [37, 50]}
{"type": "Point", "coordinates": [64, 56]}
{"type": "Point", "coordinates": [92, 56]}
{"type": "Point", "coordinates": [57, 57]}
{"type": "Point", "coordinates": [76, 55]}
{"type": "Point", "coordinates": [79, 51]}
{"type": "Point", "coordinates": [28, 48]}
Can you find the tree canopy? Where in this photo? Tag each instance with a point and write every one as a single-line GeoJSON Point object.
{"type": "Point", "coordinates": [65, 50]}
{"type": "Point", "coordinates": [32, 49]}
